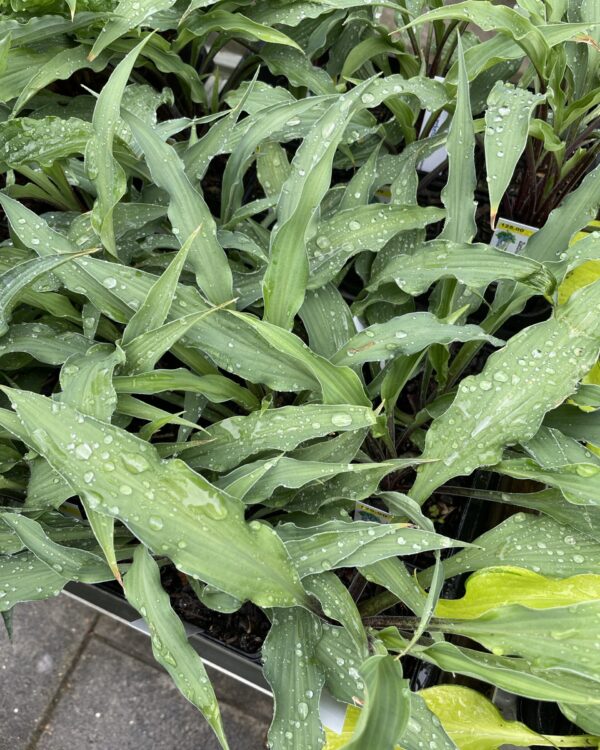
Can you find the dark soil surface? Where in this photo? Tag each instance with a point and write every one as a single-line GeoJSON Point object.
{"type": "Point", "coordinates": [244, 630]}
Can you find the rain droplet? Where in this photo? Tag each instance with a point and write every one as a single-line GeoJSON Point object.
{"type": "Point", "coordinates": [341, 420]}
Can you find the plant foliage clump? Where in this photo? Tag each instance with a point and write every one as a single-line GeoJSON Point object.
{"type": "Point", "coordinates": [236, 303]}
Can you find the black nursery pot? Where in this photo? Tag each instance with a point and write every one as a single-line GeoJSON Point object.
{"type": "Point", "coordinates": [544, 718]}
{"type": "Point", "coordinates": [108, 599]}
{"type": "Point", "coordinates": [231, 643]}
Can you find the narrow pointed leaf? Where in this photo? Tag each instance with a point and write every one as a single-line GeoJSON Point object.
{"type": "Point", "coordinates": [101, 166]}
{"type": "Point", "coordinates": [144, 351]}
{"type": "Point", "coordinates": [25, 578]}
{"type": "Point", "coordinates": [579, 483]}
{"type": "Point", "coordinates": [153, 312]}
{"type": "Point", "coordinates": [295, 678]}
{"type": "Point", "coordinates": [165, 504]}
{"type": "Point", "coordinates": [490, 412]}
{"type": "Point", "coordinates": [475, 265]}
{"type": "Point", "coordinates": [14, 281]}
{"type": "Point", "coordinates": [286, 277]}
{"type": "Point", "coordinates": [187, 211]}
{"type": "Point", "coordinates": [341, 236]}
{"type": "Point", "coordinates": [169, 642]}
{"type": "Point", "coordinates": [72, 563]}
{"type": "Point", "coordinates": [127, 15]}
{"type": "Point", "coordinates": [507, 116]}
{"type": "Point", "coordinates": [337, 544]}
{"type": "Point", "coordinates": [474, 722]}
{"type": "Point", "coordinates": [237, 438]}
{"type": "Point", "coordinates": [572, 552]}
{"type": "Point", "coordinates": [457, 195]}
{"type": "Point", "coordinates": [404, 335]}
{"type": "Point", "coordinates": [386, 712]}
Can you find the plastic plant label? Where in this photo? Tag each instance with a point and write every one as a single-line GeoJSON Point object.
{"type": "Point", "coordinates": [364, 512]}
{"type": "Point", "coordinates": [511, 236]}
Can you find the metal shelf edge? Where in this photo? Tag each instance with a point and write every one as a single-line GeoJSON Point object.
{"type": "Point", "coordinates": [223, 659]}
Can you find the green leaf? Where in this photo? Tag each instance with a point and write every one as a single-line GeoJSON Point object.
{"type": "Point", "coordinates": [237, 438]}
{"type": "Point", "coordinates": [101, 166]}
{"type": "Point", "coordinates": [20, 276]}
{"type": "Point", "coordinates": [456, 196]}
{"type": "Point", "coordinates": [5, 43]}
{"type": "Point", "coordinates": [45, 140]}
{"type": "Point", "coordinates": [237, 25]}
{"type": "Point", "coordinates": [166, 505]}
{"type": "Point", "coordinates": [169, 642]}
{"type": "Point", "coordinates": [40, 71]}
{"type": "Point", "coordinates": [337, 544]}
{"type": "Point", "coordinates": [404, 335]}
{"type": "Point", "coordinates": [339, 659]}
{"type": "Point", "coordinates": [577, 424]}
{"type": "Point", "coordinates": [507, 116]}
{"type": "Point", "coordinates": [71, 563]}
{"type": "Point", "coordinates": [128, 15]}
{"type": "Point", "coordinates": [86, 382]}
{"type": "Point", "coordinates": [50, 344]}
{"type": "Point", "coordinates": [386, 712]}
{"type": "Point", "coordinates": [272, 168]}
{"type": "Point", "coordinates": [261, 478]}
{"type": "Point", "coordinates": [393, 575]}
{"type": "Point", "coordinates": [337, 385]}
{"type": "Point", "coordinates": [495, 587]}
{"type": "Point", "coordinates": [216, 388]}
{"type": "Point", "coordinates": [188, 213]}
{"type": "Point", "coordinates": [286, 278]}
{"type": "Point", "coordinates": [144, 351]}
{"type": "Point", "coordinates": [339, 605]}
{"type": "Point", "coordinates": [579, 483]}
{"type": "Point", "coordinates": [573, 552]}
{"type": "Point", "coordinates": [25, 578]}
{"type": "Point", "coordinates": [423, 729]}
{"type": "Point", "coordinates": [155, 308]}
{"type": "Point", "coordinates": [270, 123]}
{"type": "Point", "coordinates": [157, 417]}
{"type": "Point", "coordinates": [264, 353]}
{"type": "Point", "coordinates": [490, 412]}
{"type": "Point", "coordinates": [327, 319]}
{"type": "Point", "coordinates": [295, 678]}
{"type": "Point", "coordinates": [574, 213]}
{"type": "Point", "coordinates": [474, 723]}
{"type": "Point", "coordinates": [346, 233]}
{"type": "Point", "coordinates": [585, 519]}
{"type": "Point", "coordinates": [551, 450]}
{"type": "Point", "coordinates": [512, 674]}
{"type": "Point", "coordinates": [495, 18]}
{"type": "Point", "coordinates": [358, 482]}
{"type": "Point", "coordinates": [475, 265]}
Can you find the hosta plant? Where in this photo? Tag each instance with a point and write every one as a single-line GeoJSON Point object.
{"type": "Point", "coordinates": [226, 319]}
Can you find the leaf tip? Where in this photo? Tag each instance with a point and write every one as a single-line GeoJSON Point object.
{"type": "Point", "coordinates": [117, 574]}
{"type": "Point", "coordinates": [493, 216]}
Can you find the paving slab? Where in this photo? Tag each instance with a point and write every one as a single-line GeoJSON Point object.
{"type": "Point", "coordinates": [115, 700]}
{"type": "Point", "coordinates": [47, 638]}
{"type": "Point", "coordinates": [228, 690]}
